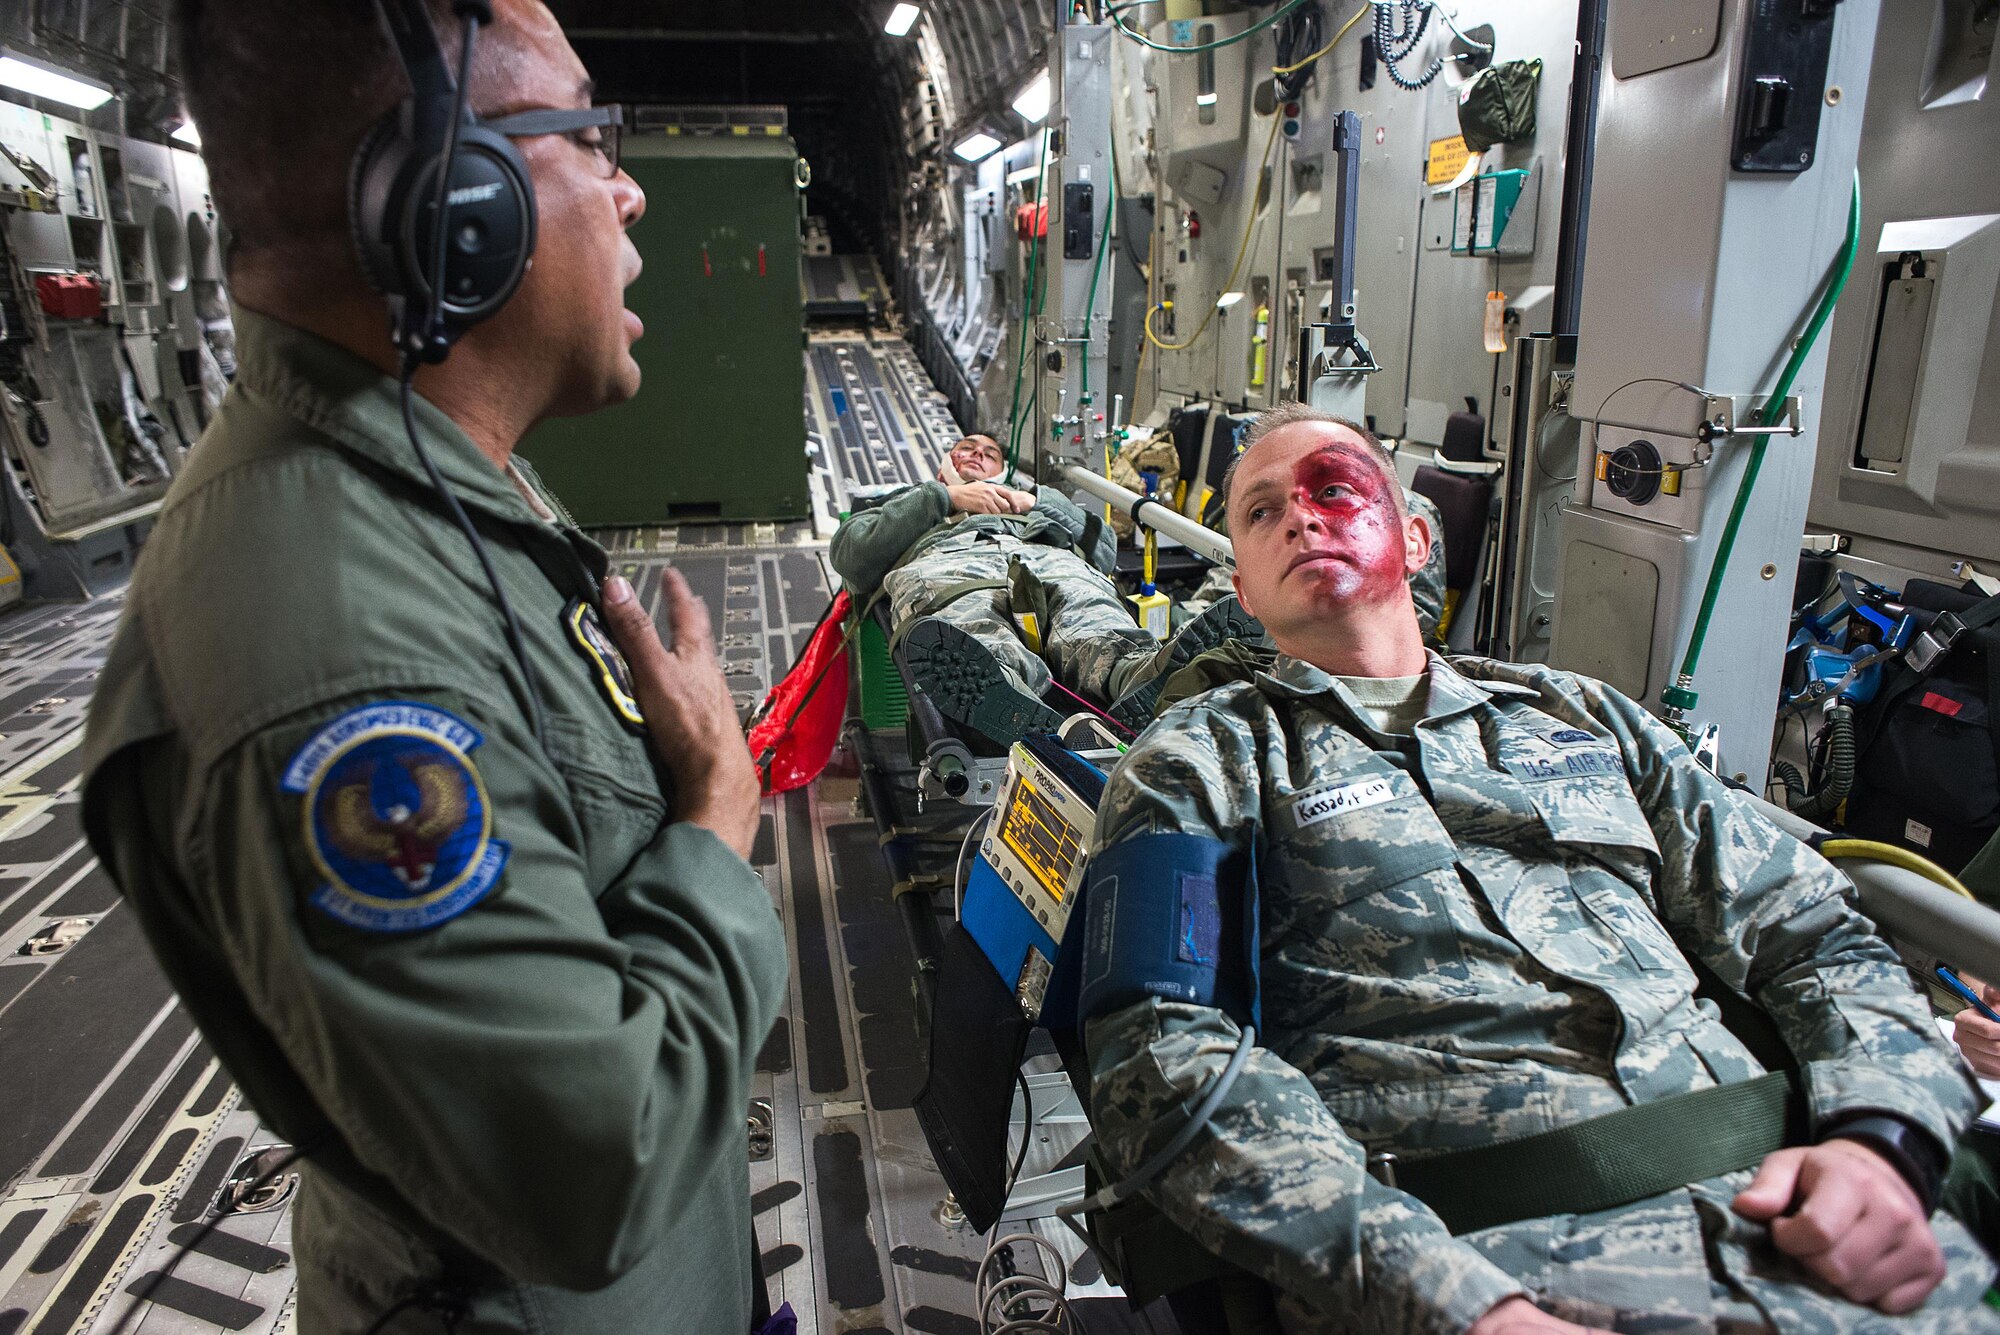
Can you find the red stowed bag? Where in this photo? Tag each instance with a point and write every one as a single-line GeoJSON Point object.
{"type": "Point", "coordinates": [793, 732]}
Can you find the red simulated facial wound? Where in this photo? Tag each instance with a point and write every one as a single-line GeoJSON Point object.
{"type": "Point", "coordinates": [1360, 550]}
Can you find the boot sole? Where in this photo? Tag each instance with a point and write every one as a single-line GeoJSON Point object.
{"type": "Point", "coordinates": [962, 679]}
{"type": "Point", "coordinates": [1135, 708]}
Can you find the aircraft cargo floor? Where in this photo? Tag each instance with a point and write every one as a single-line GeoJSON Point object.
{"type": "Point", "coordinates": [119, 1133]}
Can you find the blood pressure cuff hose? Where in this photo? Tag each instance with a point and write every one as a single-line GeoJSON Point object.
{"type": "Point", "coordinates": [1172, 916]}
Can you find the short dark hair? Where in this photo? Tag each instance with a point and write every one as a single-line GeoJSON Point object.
{"type": "Point", "coordinates": [1277, 419]}
{"type": "Point", "coordinates": [282, 91]}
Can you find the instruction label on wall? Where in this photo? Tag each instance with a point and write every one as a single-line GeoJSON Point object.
{"type": "Point", "coordinates": [1447, 160]}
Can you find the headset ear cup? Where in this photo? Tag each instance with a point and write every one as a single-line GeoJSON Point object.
{"type": "Point", "coordinates": [493, 199]}
{"type": "Point", "coordinates": [371, 213]}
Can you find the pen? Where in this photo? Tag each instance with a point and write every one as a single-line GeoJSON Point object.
{"type": "Point", "coordinates": [1957, 984]}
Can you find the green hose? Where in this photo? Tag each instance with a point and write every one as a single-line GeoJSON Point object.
{"type": "Point", "coordinates": [1096, 272]}
{"type": "Point", "coordinates": [1682, 696]}
{"type": "Point", "coordinates": [1027, 303]}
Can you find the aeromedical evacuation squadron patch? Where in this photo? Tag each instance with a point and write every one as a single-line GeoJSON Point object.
{"type": "Point", "coordinates": [396, 817]}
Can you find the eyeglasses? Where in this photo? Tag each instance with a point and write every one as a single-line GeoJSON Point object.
{"type": "Point", "coordinates": [598, 131]}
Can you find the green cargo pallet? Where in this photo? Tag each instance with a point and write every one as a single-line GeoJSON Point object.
{"type": "Point", "coordinates": [718, 432]}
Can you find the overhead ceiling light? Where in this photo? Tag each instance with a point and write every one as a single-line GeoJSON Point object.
{"type": "Point", "coordinates": [901, 19]}
{"type": "Point", "coordinates": [38, 78]}
{"type": "Point", "coordinates": [976, 146]}
{"type": "Point", "coordinates": [1227, 299]}
{"type": "Point", "coordinates": [1204, 99]}
{"type": "Point", "coordinates": [1033, 104]}
{"type": "Point", "coordinates": [188, 135]}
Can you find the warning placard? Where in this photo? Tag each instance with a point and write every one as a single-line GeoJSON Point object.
{"type": "Point", "coordinates": [1448, 159]}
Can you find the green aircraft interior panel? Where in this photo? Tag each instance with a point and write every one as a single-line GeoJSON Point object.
{"type": "Point", "coordinates": [718, 430]}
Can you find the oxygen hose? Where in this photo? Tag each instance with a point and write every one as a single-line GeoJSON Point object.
{"type": "Point", "coordinates": [1681, 698]}
{"type": "Point", "coordinates": [1840, 759]}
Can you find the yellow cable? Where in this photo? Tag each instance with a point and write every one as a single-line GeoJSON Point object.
{"type": "Point", "coordinates": [1229, 283]}
{"type": "Point", "coordinates": [1869, 850]}
{"type": "Point", "coordinates": [1345, 28]}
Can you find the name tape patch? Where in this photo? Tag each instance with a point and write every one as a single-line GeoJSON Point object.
{"type": "Point", "coordinates": [1568, 765]}
{"type": "Point", "coordinates": [1320, 804]}
{"type": "Point", "coordinates": [397, 818]}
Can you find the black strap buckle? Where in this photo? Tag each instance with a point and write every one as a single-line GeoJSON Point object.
{"type": "Point", "coordinates": [1934, 643]}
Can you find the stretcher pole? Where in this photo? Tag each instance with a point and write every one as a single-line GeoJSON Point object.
{"type": "Point", "coordinates": [1167, 523]}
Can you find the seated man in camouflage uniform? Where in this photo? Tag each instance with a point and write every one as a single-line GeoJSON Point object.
{"type": "Point", "coordinates": [1426, 585]}
{"type": "Point", "coordinates": [1487, 892]}
{"type": "Point", "coordinates": [961, 558]}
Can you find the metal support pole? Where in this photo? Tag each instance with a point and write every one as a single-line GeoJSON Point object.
{"type": "Point", "coordinates": [1928, 917]}
{"type": "Point", "coordinates": [1579, 151]}
{"type": "Point", "coordinates": [1168, 523]}
{"type": "Point", "coordinates": [1346, 209]}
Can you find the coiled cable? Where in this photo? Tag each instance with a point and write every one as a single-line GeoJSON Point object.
{"type": "Point", "coordinates": [1394, 43]}
{"type": "Point", "coordinates": [1007, 1300]}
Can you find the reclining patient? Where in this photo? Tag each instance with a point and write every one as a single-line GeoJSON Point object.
{"type": "Point", "coordinates": [1487, 895]}
{"type": "Point", "coordinates": [959, 558]}
{"type": "Point", "coordinates": [1426, 585]}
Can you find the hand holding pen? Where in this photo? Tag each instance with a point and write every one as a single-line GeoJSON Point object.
{"type": "Point", "coordinates": [1976, 1028]}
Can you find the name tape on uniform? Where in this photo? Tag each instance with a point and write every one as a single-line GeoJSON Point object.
{"type": "Point", "coordinates": [1325, 803]}
{"type": "Point", "coordinates": [1568, 765]}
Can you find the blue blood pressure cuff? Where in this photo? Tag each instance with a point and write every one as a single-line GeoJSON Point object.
{"type": "Point", "coordinates": [1172, 916]}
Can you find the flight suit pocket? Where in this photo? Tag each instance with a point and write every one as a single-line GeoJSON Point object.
{"type": "Point", "coordinates": [1612, 857]}
{"type": "Point", "coordinates": [613, 791]}
{"type": "Point", "coordinates": [1586, 804]}
{"type": "Point", "coordinates": [1361, 869]}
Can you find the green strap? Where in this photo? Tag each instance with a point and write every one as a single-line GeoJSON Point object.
{"type": "Point", "coordinates": [938, 601]}
{"type": "Point", "coordinates": [1608, 1161]}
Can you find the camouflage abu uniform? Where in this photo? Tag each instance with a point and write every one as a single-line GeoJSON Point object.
{"type": "Point", "coordinates": [916, 549]}
{"type": "Point", "coordinates": [1465, 951]}
{"type": "Point", "coordinates": [1426, 586]}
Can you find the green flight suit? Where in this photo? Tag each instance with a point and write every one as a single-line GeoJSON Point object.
{"type": "Point", "coordinates": [536, 1101]}
{"type": "Point", "coordinates": [1475, 934]}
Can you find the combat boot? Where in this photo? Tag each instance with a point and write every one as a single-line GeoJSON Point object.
{"type": "Point", "coordinates": [1224, 621]}
{"type": "Point", "coordinates": [970, 686]}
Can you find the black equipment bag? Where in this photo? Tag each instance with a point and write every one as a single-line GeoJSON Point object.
{"type": "Point", "coordinates": [1928, 771]}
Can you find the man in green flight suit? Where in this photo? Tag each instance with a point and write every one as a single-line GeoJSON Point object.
{"type": "Point", "coordinates": [1485, 897]}
{"type": "Point", "coordinates": [472, 928]}
{"type": "Point", "coordinates": [970, 566]}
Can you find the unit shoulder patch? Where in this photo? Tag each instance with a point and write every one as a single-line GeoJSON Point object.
{"type": "Point", "coordinates": [396, 817]}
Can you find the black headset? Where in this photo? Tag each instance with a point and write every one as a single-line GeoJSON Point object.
{"type": "Point", "coordinates": [429, 159]}
{"type": "Point", "coordinates": [393, 186]}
